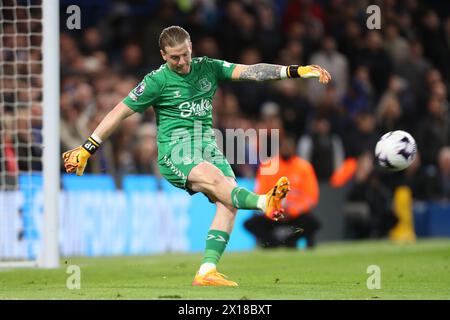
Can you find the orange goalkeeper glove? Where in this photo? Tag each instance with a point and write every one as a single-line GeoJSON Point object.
{"type": "Point", "coordinates": [76, 159]}
{"type": "Point", "coordinates": [310, 71]}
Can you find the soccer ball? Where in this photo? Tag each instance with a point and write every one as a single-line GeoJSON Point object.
{"type": "Point", "coordinates": [395, 150]}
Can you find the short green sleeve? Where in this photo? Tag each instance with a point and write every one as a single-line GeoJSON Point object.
{"type": "Point", "coordinates": [222, 69]}
{"type": "Point", "coordinates": [143, 96]}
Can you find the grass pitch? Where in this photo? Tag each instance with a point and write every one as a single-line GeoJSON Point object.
{"type": "Point", "coordinates": [331, 271]}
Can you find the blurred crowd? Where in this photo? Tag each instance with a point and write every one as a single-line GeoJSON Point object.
{"type": "Point", "coordinates": [394, 78]}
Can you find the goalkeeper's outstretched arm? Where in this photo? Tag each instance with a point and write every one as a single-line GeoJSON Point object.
{"type": "Point", "coordinates": [265, 71]}
{"type": "Point", "coordinates": [75, 160]}
{"type": "Point", "coordinates": [112, 120]}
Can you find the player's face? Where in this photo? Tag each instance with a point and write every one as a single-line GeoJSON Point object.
{"type": "Point", "coordinates": [179, 57]}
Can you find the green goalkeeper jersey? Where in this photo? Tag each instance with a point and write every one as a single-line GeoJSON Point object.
{"type": "Point", "coordinates": [181, 102]}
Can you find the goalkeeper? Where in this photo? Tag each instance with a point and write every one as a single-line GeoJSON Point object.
{"type": "Point", "coordinates": [181, 92]}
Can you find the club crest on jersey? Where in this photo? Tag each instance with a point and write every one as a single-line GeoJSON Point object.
{"type": "Point", "coordinates": [140, 89]}
{"type": "Point", "coordinates": [204, 84]}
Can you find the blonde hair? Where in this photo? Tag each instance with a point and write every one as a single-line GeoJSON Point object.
{"type": "Point", "coordinates": [172, 36]}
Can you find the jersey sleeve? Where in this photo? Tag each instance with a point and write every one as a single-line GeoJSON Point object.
{"type": "Point", "coordinates": [222, 69]}
{"type": "Point", "coordinates": [143, 96]}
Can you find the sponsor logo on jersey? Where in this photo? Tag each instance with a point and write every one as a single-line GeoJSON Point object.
{"type": "Point", "coordinates": [204, 84]}
{"type": "Point", "coordinates": [177, 94]}
{"type": "Point", "coordinates": [195, 108]}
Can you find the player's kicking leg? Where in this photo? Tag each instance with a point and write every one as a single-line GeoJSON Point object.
{"type": "Point", "coordinates": [208, 179]}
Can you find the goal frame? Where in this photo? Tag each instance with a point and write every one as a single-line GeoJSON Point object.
{"type": "Point", "coordinates": [48, 256]}
{"type": "Point", "coordinates": [51, 134]}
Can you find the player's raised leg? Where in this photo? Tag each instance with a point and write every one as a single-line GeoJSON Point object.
{"type": "Point", "coordinates": [207, 178]}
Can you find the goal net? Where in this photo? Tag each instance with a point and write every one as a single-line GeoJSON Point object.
{"type": "Point", "coordinates": [29, 133]}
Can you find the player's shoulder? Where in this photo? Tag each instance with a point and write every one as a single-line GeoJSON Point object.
{"type": "Point", "coordinates": [157, 76]}
{"type": "Point", "coordinates": [154, 74]}
{"type": "Point", "coordinates": [210, 64]}
{"type": "Point", "coordinates": [204, 60]}
{"type": "Point", "coordinates": [201, 60]}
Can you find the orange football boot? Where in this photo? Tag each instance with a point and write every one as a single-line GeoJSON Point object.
{"type": "Point", "coordinates": [274, 197]}
{"type": "Point", "coordinates": [212, 278]}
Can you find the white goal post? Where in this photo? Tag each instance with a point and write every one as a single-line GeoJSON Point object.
{"type": "Point", "coordinates": [51, 154]}
{"type": "Point", "coordinates": [29, 41]}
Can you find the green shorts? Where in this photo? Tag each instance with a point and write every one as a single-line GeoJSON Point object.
{"type": "Point", "coordinates": [176, 161]}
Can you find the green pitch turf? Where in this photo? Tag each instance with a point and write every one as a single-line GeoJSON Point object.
{"type": "Point", "coordinates": [331, 271]}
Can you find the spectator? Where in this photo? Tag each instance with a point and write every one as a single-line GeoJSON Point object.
{"type": "Point", "coordinates": [433, 39]}
{"type": "Point", "coordinates": [145, 153]}
{"type": "Point", "coordinates": [238, 30]}
{"type": "Point", "coordinates": [272, 122]}
{"type": "Point", "coordinates": [436, 183]}
{"type": "Point", "coordinates": [250, 95]}
{"type": "Point", "coordinates": [351, 44]}
{"type": "Point", "coordinates": [28, 151]}
{"type": "Point", "coordinates": [91, 41]}
{"type": "Point", "coordinates": [323, 149]}
{"type": "Point", "coordinates": [8, 153]}
{"type": "Point", "coordinates": [301, 200]}
{"type": "Point", "coordinates": [433, 131]}
{"type": "Point", "coordinates": [394, 103]}
{"type": "Point", "coordinates": [362, 137]}
{"type": "Point", "coordinates": [368, 212]}
{"type": "Point", "coordinates": [295, 109]}
{"type": "Point", "coordinates": [360, 96]}
{"type": "Point", "coordinates": [377, 60]}
{"type": "Point", "coordinates": [132, 63]}
{"type": "Point", "coordinates": [337, 65]}
{"type": "Point", "coordinates": [207, 46]}
{"type": "Point", "coordinates": [389, 114]}
{"type": "Point", "coordinates": [395, 45]}
{"type": "Point", "coordinates": [413, 69]}
{"type": "Point", "coordinates": [269, 31]}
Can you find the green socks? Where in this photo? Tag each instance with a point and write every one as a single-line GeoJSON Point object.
{"type": "Point", "coordinates": [244, 199]}
{"type": "Point", "coordinates": [216, 242]}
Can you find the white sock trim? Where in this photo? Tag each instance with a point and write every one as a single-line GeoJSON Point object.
{"type": "Point", "coordinates": [262, 203]}
{"type": "Point", "coordinates": [205, 267]}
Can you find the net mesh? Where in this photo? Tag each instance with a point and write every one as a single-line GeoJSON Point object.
{"type": "Point", "coordinates": [20, 127]}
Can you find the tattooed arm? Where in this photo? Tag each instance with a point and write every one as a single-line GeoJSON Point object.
{"type": "Point", "coordinates": [264, 72]}
{"type": "Point", "coordinates": [257, 72]}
